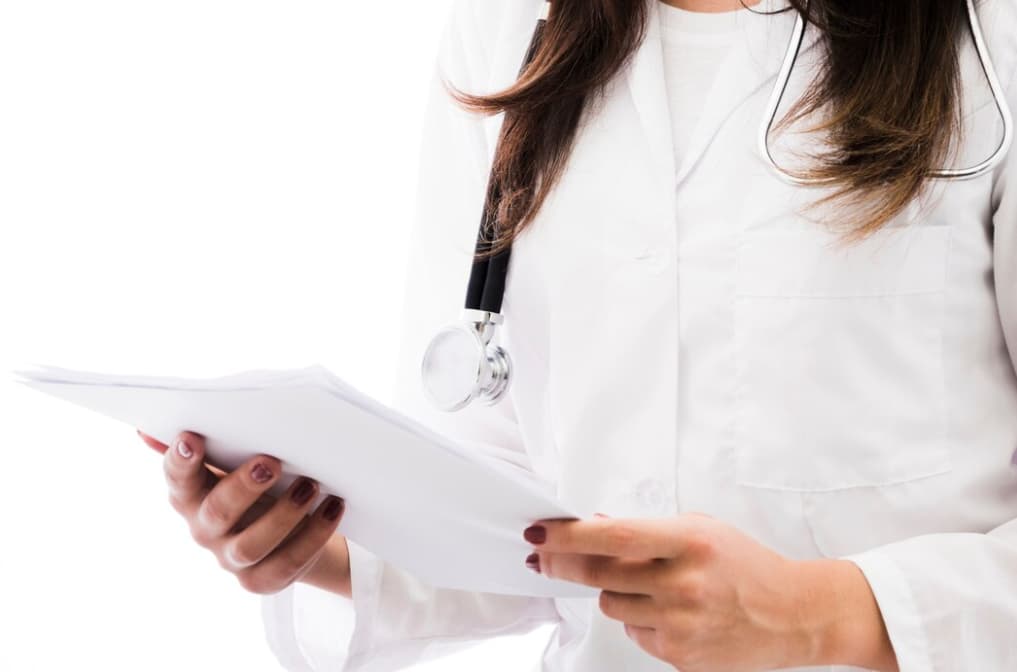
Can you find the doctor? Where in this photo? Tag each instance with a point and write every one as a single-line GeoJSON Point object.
{"type": "Point", "coordinates": [803, 451]}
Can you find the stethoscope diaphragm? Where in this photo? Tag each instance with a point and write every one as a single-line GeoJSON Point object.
{"type": "Point", "coordinates": [461, 365]}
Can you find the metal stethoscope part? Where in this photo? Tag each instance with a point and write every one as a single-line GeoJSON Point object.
{"type": "Point", "coordinates": [978, 170]}
{"type": "Point", "coordinates": [462, 364]}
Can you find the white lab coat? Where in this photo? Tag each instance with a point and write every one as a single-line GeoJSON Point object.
{"type": "Point", "coordinates": [684, 340]}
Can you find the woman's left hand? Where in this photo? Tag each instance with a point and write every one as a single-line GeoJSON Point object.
{"type": "Point", "coordinates": [703, 596]}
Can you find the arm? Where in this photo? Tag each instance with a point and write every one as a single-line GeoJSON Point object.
{"type": "Point", "coordinates": [949, 601]}
{"type": "Point", "coordinates": [331, 572]}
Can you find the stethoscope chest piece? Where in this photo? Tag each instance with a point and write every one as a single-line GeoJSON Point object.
{"type": "Point", "coordinates": [461, 364]}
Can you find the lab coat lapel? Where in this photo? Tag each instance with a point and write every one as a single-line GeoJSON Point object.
{"type": "Point", "coordinates": [752, 64]}
{"type": "Point", "coordinates": [645, 80]}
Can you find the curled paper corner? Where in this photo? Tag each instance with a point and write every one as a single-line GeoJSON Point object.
{"type": "Point", "coordinates": [26, 372]}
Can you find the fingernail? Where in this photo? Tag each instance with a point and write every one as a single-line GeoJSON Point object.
{"type": "Point", "coordinates": [184, 450]}
{"type": "Point", "coordinates": [333, 508]}
{"type": "Point", "coordinates": [533, 562]}
{"type": "Point", "coordinates": [535, 534]}
{"type": "Point", "coordinates": [303, 491]}
{"type": "Point", "coordinates": [260, 473]}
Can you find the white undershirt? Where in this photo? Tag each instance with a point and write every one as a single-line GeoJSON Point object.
{"type": "Point", "coordinates": [694, 44]}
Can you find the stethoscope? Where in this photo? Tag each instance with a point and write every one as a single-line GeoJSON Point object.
{"type": "Point", "coordinates": [463, 363]}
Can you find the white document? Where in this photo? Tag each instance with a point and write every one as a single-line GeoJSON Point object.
{"type": "Point", "coordinates": [452, 516]}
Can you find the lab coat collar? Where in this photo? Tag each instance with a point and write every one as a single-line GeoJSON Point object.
{"type": "Point", "coordinates": [752, 63]}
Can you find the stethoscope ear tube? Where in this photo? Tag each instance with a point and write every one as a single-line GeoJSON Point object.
{"type": "Point", "coordinates": [462, 363]}
{"type": "Point", "coordinates": [971, 172]}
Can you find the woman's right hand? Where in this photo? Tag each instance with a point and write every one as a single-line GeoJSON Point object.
{"type": "Point", "coordinates": [267, 543]}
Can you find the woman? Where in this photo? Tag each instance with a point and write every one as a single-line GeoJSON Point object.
{"type": "Point", "coordinates": [801, 450]}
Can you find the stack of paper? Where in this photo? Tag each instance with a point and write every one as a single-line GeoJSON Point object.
{"type": "Point", "coordinates": [451, 515]}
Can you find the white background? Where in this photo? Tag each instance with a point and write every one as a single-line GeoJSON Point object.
{"type": "Point", "coordinates": [186, 188]}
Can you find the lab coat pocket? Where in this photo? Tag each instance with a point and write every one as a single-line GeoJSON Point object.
{"type": "Point", "coordinates": [839, 375]}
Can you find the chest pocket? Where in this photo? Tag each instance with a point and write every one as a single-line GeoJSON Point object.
{"type": "Point", "coordinates": [839, 377]}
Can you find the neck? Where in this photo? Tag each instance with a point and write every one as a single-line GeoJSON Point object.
{"type": "Point", "coordinates": [711, 5]}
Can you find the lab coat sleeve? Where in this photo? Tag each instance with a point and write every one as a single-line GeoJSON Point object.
{"type": "Point", "coordinates": [949, 601]}
{"type": "Point", "coordinates": [395, 620]}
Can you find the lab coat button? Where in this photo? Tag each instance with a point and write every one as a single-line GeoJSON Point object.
{"type": "Point", "coordinates": [650, 493]}
{"type": "Point", "coordinates": [655, 259]}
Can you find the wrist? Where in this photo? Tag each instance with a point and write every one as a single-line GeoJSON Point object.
{"type": "Point", "coordinates": [331, 570]}
{"type": "Point", "coordinates": [840, 618]}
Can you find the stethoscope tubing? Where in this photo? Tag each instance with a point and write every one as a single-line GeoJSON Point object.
{"type": "Point", "coordinates": [486, 286]}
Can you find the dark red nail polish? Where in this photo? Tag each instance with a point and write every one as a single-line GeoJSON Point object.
{"type": "Point", "coordinates": [302, 491]}
{"type": "Point", "coordinates": [333, 508]}
{"type": "Point", "coordinates": [535, 534]}
{"type": "Point", "coordinates": [260, 473]}
{"type": "Point", "coordinates": [533, 562]}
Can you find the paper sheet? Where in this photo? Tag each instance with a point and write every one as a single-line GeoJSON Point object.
{"type": "Point", "coordinates": [448, 514]}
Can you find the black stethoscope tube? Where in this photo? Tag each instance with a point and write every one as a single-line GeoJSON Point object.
{"type": "Point", "coordinates": [486, 286]}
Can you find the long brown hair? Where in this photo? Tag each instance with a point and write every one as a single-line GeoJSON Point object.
{"type": "Point", "coordinates": [890, 80]}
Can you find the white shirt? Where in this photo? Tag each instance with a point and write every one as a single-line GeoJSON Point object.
{"type": "Point", "coordinates": [857, 403]}
{"type": "Point", "coordinates": [694, 45]}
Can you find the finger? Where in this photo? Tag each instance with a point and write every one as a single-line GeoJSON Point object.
{"type": "Point", "coordinates": [235, 493]}
{"type": "Point", "coordinates": [638, 610]}
{"type": "Point", "coordinates": [645, 638]}
{"type": "Point", "coordinates": [185, 473]}
{"type": "Point", "coordinates": [619, 537]}
{"type": "Point", "coordinates": [294, 556]}
{"type": "Point", "coordinates": [260, 507]}
{"type": "Point", "coordinates": [269, 530]}
{"type": "Point", "coordinates": [602, 571]}
{"type": "Point", "coordinates": [153, 443]}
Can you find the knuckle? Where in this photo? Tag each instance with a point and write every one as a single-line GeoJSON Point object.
{"type": "Point", "coordinates": [241, 554]}
{"type": "Point", "coordinates": [607, 603]}
{"type": "Point", "coordinates": [691, 588]}
{"type": "Point", "coordinates": [223, 563]}
{"type": "Point", "coordinates": [213, 511]}
{"type": "Point", "coordinates": [701, 544]}
{"type": "Point", "coordinates": [201, 535]}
